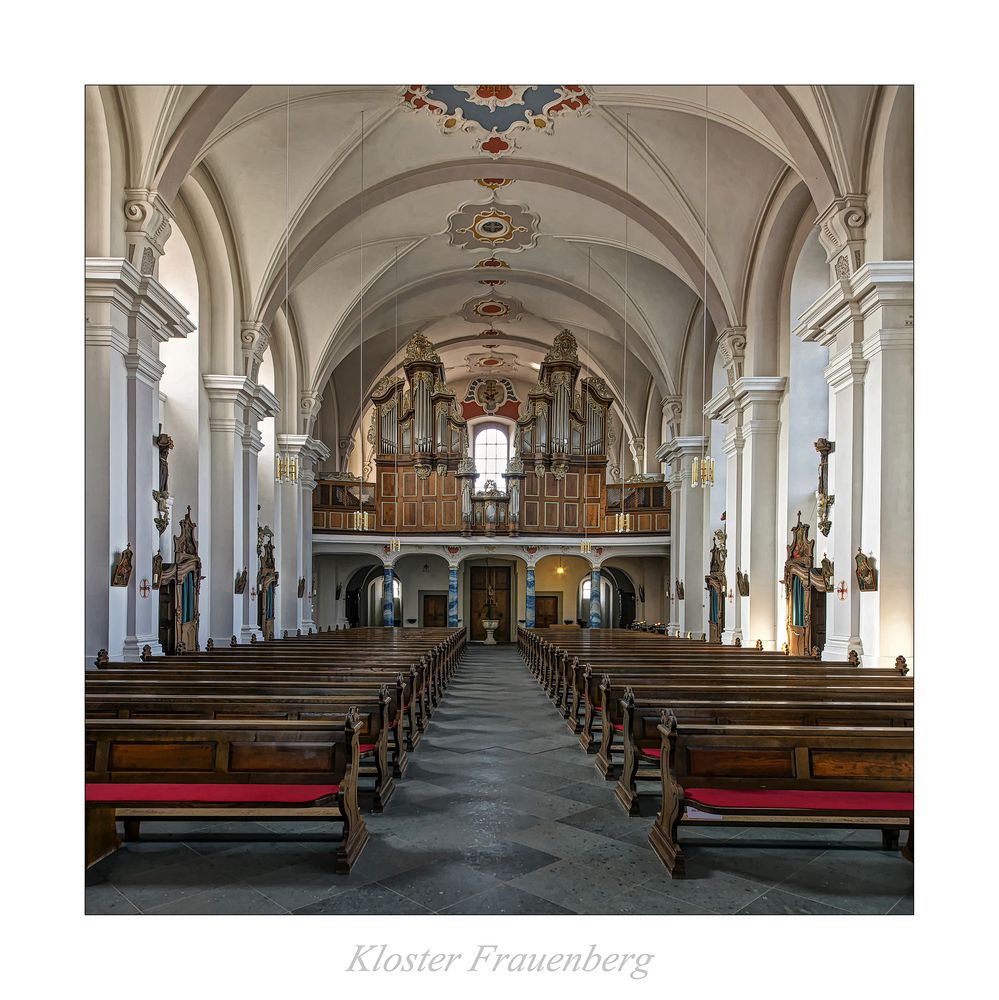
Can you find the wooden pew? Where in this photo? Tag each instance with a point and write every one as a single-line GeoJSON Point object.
{"type": "Point", "coordinates": [184, 769]}
{"type": "Point", "coordinates": [782, 776]}
{"type": "Point", "coordinates": [132, 680]}
{"type": "Point", "coordinates": [224, 707]}
{"type": "Point", "coordinates": [642, 740]}
{"type": "Point", "coordinates": [790, 686]}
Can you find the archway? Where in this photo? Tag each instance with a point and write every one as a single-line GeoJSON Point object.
{"type": "Point", "coordinates": [557, 582]}
{"type": "Point", "coordinates": [423, 579]}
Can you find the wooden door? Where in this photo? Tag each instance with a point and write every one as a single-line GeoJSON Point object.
{"type": "Point", "coordinates": [434, 610]}
{"type": "Point", "coordinates": [167, 629]}
{"type": "Point", "coordinates": [498, 578]}
{"type": "Point", "coordinates": [545, 611]}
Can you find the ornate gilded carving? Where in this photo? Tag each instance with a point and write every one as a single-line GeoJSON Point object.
{"type": "Point", "coordinates": [563, 348]}
{"type": "Point", "coordinates": [420, 349]}
{"type": "Point", "coordinates": [867, 574]}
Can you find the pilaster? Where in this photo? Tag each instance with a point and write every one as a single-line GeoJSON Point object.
{"type": "Point", "coordinates": [128, 315]}
{"type": "Point", "coordinates": [687, 550]}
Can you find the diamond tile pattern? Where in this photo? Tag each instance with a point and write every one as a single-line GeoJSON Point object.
{"type": "Point", "coordinates": [500, 812]}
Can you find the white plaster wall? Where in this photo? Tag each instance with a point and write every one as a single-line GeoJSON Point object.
{"type": "Point", "coordinates": [807, 395]}
{"type": "Point", "coordinates": [181, 381]}
{"type": "Point", "coordinates": [415, 582]}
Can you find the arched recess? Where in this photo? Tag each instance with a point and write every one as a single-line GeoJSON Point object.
{"type": "Point", "coordinates": [107, 157]}
{"type": "Point", "coordinates": [890, 226]}
{"type": "Point", "coordinates": [557, 593]}
{"type": "Point", "coordinates": [424, 580]}
{"type": "Point", "coordinates": [804, 409]}
{"type": "Point", "coordinates": [769, 264]}
{"type": "Point", "coordinates": [810, 156]}
{"type": "Point", "coordinates": [180, 384]}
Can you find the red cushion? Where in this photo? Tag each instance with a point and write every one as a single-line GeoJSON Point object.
{"type": "Point", "coordinates": [598, 708]}
{"type": "Point", "coordinates": [164, 792]}
{"type": "Point", "coordinates": [819, 801]}
{"type": "Point", "coordinates": [618, 728]}
{"type": "Point", "coordinates": [366, 747]}
{"type": "Point", "coordinates": [656, 752]}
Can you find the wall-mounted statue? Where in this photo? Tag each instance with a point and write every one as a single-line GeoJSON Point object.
{"type": "Point", "coordinates": [822, 498]}
{"type": "Point", "coordinates": [828, 572]}
{"type": "Point", "coordinates": [123, 567]}
{"type": "Point", "coordinates": [867, 574]}
{"type": "Point", "coordinates": [164, 443]}
{"type": "Point", "coordinates": [679, 590]}
{"type": "Point", "coordinates": [301, 586]}
{"type": "Point", "coordinates": [157, 570]}
{"type": "Point", "coordinates": [742, 583]}
{"type": "Point", "coordinates": [240, 585]}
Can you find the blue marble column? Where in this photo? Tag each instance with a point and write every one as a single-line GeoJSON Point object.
{"type": "Point", "coordinates": [452, 596]}
{"type": "Point", "coordinates": [595, 597]}
{"type": "Point", "coordinates": [529, 616]}
{"type": "Point", "coordinates": [388, 604]}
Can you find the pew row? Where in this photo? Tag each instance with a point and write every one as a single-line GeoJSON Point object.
{"type": "Point", "coordinates": [199, 769]}
{"type": "Point", "coordinates": [824, 776]}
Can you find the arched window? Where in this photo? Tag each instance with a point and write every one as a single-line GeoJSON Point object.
{"type": "Point", "coordinates": [491, 454]}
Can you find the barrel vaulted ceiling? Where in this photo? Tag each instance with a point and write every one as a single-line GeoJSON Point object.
{"type": "Point", "coordinates": [536, 178]}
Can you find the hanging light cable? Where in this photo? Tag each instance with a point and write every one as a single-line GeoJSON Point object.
{"type": "Point", "coordinates": [396, 543]}
{"type": "Point", "coordinates": [286, 464]}
{"type": "Point", "coordinates": [702, 472]}
{"type": "Point", "coordinates": [361, 517]}
{"type": "Point", "coordinates": [586, 546]}
{"type": "Point", "coordinates": [623, 520]}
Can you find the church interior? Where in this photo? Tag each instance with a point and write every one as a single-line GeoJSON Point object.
{"type": "Point", "coordinates": [499, 499]}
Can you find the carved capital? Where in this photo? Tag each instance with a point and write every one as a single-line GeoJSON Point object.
{"type": "Point", "coordinates": [308, 408]}
{"type": "Point", "coordinates": [842, 234]}
{"type": "Point", "coordinates": [254, 338]}
{"type": "Point", "coordinates": [732, 349]}
{"type": "Point", "coordinates": [673, 411]}
{"type": "Point", "coordinates": [147, 228]}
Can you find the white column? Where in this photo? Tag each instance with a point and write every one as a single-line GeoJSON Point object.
{"type": "Point", "coordinates": [687, 549]}
{"type": "Point", "coordinates": [237, 404]}
{"type": "Point", "coordinates": [294, 532]}
{"type": "Point", "coordinates": [229, 395]}
{"type": "Point", "coordinates": [756, 553]}
{"type": "Point", "coordinates": [886, 616]}
{"type": "Point", "coordinates": [865, 319]}
{"type": "Point", "coordinates": [725, 406]}
{"type": "Point", "coordinates": [128, 316]}
{"type": "Point", "coordinates": [845, 375]}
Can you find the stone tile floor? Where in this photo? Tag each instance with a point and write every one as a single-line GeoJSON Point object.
{"type": "Point", "coordinates": [500, 812]}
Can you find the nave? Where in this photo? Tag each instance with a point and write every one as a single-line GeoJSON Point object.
{"type": "Point", "coordinates": [500, 812]}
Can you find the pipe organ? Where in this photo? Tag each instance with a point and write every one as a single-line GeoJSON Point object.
{"type": "Point", "coordinates": [425, 475]}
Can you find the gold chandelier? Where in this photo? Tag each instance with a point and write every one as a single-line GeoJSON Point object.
{"type": "Point", "coordinates": [702, 472]}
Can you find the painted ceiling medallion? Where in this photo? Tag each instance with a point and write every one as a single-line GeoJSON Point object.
{"type": "Point", "coordinates": [491, 360]}
{"type": "Point", "coordinates": [492, 308]}
{"type": "Point", "coordinates": [491, 333]}
{"type": "Point", "coordinates": [493, 282]}
{"type": "Point", "coordinates": [492, 113]}
{"type": "Point", "coordinates": [493, 226]}
{"type": "Point", "coordinates": [491, 262]}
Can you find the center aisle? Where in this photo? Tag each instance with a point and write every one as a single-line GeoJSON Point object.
{"type": "Point", "coordinates": [501, 812]}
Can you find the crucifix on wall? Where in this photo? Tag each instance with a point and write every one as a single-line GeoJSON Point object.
{"type": "Point", "coordinates": [822, 497]}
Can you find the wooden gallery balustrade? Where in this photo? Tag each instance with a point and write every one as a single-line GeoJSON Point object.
{"type": "Point", "coordinates": [425, 476]}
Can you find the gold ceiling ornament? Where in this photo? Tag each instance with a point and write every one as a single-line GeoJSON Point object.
{"type": "Point", "coordinates": [494, 183]}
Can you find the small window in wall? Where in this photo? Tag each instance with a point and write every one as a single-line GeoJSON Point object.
{"type": "Point", "coordinates": [491, 454]}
